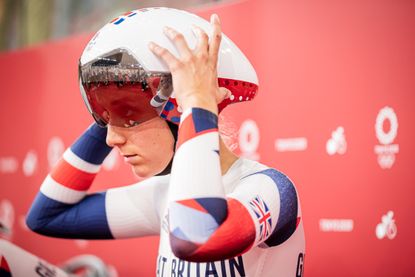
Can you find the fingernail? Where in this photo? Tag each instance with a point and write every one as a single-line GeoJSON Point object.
{"type": "Point", "coordinates": [151, 45]}
{"type": "Point", "coordinates": [215, 17]}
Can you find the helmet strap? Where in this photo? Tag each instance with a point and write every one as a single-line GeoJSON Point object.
{"type": "Point", "coordinates": [174, 128]}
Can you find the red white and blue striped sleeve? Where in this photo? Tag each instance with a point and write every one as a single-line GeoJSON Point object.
{"type": "Point", "coordinates": [62, 208]}
{"type": "Point", "coordinates": [204, 223]}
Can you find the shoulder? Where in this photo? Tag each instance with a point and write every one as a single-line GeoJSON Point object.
{"type": "Point", "coordinates": [254, 172]}
{"type": "Point", "coordinates": [286, 198]}
{"type": "Point", "coordinates": [279, 187]}
{"type": "Point", "coordinates": [264, 189]}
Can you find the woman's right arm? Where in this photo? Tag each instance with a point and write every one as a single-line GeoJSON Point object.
{"type": "Point", "coordinates": [63, 208]}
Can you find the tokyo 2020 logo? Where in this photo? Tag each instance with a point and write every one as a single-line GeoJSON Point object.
{"type": "Point", "coordinates": [386, 151]}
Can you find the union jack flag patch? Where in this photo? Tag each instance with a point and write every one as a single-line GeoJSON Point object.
{"type": "Point", "coordinates": [263, 214]}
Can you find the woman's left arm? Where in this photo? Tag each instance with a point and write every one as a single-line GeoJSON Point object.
{"type": "Point", "coordinates": [204, 223]}
{"type": "Point", "coordinates": [207, 225]}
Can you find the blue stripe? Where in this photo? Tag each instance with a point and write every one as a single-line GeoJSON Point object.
{"type": "Point", "coordinates": [287, 219]}
{"type": "Point", "coordinates": [119, 21]}
{"type": "Point", "coordinates": [216, 207]}
{"type": "Point", "coordinates": [84, 220]}
{"type": "Point", "coordinates": [204, 120]}
{"type": "Point", "coordinates": [91, 145]}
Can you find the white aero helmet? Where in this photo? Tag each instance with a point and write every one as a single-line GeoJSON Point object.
{"type": "Point", "coordinates": [124, 84]}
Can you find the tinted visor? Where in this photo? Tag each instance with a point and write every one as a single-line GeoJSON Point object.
{"type": "Point", "coordinates": [119, 91]}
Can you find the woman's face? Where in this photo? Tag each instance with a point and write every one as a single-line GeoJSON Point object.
{"type": "Point", "coordinates": [147, 147]}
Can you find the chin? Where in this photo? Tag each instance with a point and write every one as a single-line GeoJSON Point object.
{"type": "Point", "coordinates": [143, 171]}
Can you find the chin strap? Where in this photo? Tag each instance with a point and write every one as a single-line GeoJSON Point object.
{"type": "Point", "coordinates": [174, 128]}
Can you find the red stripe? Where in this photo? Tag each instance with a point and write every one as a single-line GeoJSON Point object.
{"type": "Point", "coordinates": [115, 19]}
{"type": "Point", "coordinates": [260, 209]}
{"type": "Point", "coordinates": [264, 218]}
{"type": "Point", "coordinates": [4, 265]}
{"type": "Point", "coordinates": [186, 131]}
{"type": "Point", "coordinates": [235, 236]}
{"type": "Point", "coordinates": [298, 222]}
{"type": "Point", "coordinates": [71, 177]}
{"type": "Point", "coordinates": [191, 203]}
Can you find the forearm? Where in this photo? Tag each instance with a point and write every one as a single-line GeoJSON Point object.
{"type": "Point", "coordinates": [197, 204]}
{"type": "Point", "coordinates": [67, 185]}
{"type": "Point", "coordinates": [72, 176]}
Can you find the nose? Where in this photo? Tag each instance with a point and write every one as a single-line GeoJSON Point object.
{"type": "Point", "coordinates": [114, 136]}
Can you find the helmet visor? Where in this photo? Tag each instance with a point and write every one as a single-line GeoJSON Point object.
{"type": "Point", "coordinates": [119, 91]}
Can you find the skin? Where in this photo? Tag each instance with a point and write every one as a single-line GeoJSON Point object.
{"type": "Point", "coordinates": [147, 147]}
{"type": "Point", "coordinates": [194, 76]}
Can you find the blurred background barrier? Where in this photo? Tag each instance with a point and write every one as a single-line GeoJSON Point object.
{"type": "Point", "coordinates": [28, 22]}
{"type": "Point", "coordinates": [335, 112]}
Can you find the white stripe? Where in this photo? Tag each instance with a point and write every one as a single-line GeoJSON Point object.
{"type": "Point", "coordinates": [185, 114]}
{"type": "Point", "coordinates": [79, 163]}
{"type": "Point", "coordinates": [58, 192]}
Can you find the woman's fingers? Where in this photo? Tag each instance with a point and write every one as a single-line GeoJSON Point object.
{"type": "Point", "coordinates": [222, 94]}
{"type": "Point", "coordinates": [216, 38]}
{"type": "Point", "coordinates": [202, 40]}
{"type": "Point", "coordinates": [179, 41]}
{"type": "Point", "coordinates": [164, 54]}
{"type": "Point", "coordinates": [204, 45]}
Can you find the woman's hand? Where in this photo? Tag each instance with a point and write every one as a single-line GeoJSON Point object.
{"type": "Point", "coordinates": [194, 73]}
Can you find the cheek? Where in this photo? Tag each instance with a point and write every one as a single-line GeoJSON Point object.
{"type": "Point", "coordinates": [153, 143]}
{"type": "Point", "coordinates": [155, 146]}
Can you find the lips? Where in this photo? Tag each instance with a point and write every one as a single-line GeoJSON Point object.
{"type": "Point", "coordinates": [129, 158]}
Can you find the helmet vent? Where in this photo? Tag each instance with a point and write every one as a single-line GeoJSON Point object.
{"type": "Point", "coordinates": [114, 59]}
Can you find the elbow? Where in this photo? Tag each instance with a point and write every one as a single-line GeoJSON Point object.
{"type": "Point", "coordinates": [191, 242]}
{"type": "Point", "coordinates": [39, 226]}
{"type": "Point", "coordinates": [193, 223]}
{"type": "Point", "coordinates": [213, 250]}
{"type": "Point", "coordinates": [203, 242]}
{"type": "Point", "coordinates": [34, 223]}
{"type": "Point", "coordinates": [182, 249]}
{"type": "Point", "coordinates": [37, 222]}
{"type": "Point", "coordinates": [40, 215]}
{"type": "Point", "coordinates": [198, 253]}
